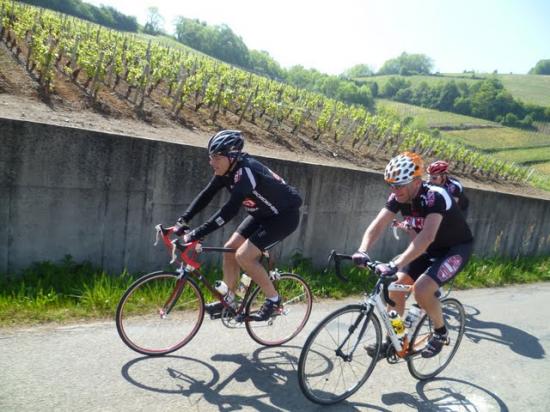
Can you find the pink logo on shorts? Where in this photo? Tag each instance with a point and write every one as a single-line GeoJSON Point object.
{"type": "Point", "coordinates": [449, 268]}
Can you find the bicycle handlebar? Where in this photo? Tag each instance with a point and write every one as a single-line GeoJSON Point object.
{"type": "Point", "coordinates": [194, 246]}
{"type": "Point", "coordinates": [385, 280]}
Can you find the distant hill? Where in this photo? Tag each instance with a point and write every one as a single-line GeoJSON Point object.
{"type": "Point", "coordinates": [526, 87]}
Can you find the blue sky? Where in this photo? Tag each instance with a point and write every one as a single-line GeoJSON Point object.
{"type": "Point", "coordinates": [332, 36]}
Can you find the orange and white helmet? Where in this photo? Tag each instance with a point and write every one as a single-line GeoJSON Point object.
{"type": "Point", "coordinates": [403, 168]}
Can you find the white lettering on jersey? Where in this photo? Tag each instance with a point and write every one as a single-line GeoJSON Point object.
{"type": "Point", "coordinates": [266, 202]}
{"type": "Point", "coordinates": [250, 177]}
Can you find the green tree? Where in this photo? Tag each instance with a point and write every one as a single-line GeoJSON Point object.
{"type": "Point", "coordinates": [262, 62]}
{"type": "Point", "coordinates": [447, 96]}
{"type": "Point", "coordinates": [407, 64]}
{"type": "Point", "coordinates": [357, 71]}
{"type": "Point", "coordinates": [155, 21]}
{"type": "Point", "coordinates": [542, 67]}
{"type": "Point", "coordinates": [392, 86]}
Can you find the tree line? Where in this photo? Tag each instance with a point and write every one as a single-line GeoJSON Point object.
{"type": "Point", "coordinates": [486, 99]}
{"type": "Point", "coordinates": [222, 43]}
{"type": "Point", "coordinates": [103, 15]}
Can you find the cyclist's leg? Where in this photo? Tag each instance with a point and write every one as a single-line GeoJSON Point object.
{"type": "Point", "coordinates": [230, 265]}
{"type": "Point", "coordinates": [442, 270]}
{"type": "Point", "coordinates": [408, 275]}
{"type": "Point", "coordinates": [399, 297]}
{"type": "Point", "coordinates": [270, 231]}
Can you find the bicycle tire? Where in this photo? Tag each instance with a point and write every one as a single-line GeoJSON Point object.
{"type": "Point", "coordinates": [454, 317]}
{"type": "Point", "coordinates": [326, 378]}
{"type": "Point", "coordinates": [285, 324]}
{"type": "Point", "coordinates": [139, 316]}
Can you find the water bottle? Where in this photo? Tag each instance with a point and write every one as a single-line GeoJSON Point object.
{"type": "Point", "coordinates": [397, 323]}
{"type": "Point", "coordinates": [221, 287]}
{"type": "Point", "coordinates": [412, 316]}
{"type": "Point", "coordinates": [223, 290]}
{"type": "Point", "coordinates": [243, 285]}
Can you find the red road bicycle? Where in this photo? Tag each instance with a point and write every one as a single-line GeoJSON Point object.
{"type": "Point", "coordinates": [162, 311]}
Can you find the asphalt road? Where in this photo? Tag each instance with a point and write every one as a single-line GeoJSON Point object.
{"type": "Point", "coordinates": [501, 365]}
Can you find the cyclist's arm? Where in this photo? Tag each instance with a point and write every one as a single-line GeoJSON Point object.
{"type": "Point", "coordinates": [227, 211]}
{"type": "Point", "coordinates": [422, 240]}
{"type": "Point", "coordinates": [203, 198]}
{"type": "Point", "coordinates": [373, 232]}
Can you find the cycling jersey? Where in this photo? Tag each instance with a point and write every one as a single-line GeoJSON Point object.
{"type": "Point", "coordinates": [251, 184]}
{"type": "Point", "coordinates": [453, 229]}
{"type": "Point", "coordinates": [455, 189]}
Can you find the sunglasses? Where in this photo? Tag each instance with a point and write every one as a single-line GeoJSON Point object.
{"type": "Point", "coordinates": [396, 186]}
{"type": "Point", "coordinates": [434, 177]}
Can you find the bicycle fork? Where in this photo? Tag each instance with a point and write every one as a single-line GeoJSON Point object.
{"type": "Point", "coordinates": [365, 314]}
{"type": "Point", "coordinates": [175, 295]}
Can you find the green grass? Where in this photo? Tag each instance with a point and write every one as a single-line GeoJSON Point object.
{"type": "Point", "coordinates": [528, 88]}
{"type": "Point", "coordinates": [503, 138]}
{"type": "Point", "coordinates": [70, 292]}
{"type": "Point", "coordinates": [433, 118]}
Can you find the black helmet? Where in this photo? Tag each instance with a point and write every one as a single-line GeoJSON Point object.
{"type": "Point", "coordinates": [226, 142]}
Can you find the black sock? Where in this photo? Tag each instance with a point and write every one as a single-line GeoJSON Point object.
{"type": "Point", "coordinates": [442, 331]}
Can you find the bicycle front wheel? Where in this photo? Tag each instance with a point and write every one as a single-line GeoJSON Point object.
{"type": "Point", "coordinates": [426, 368]}
{"type": "Point", "coordinates": [286, 322]}
{"type": "Point", "coordinates": [334, 362]}
{"type": "Point", "coordinates": [159, 313]}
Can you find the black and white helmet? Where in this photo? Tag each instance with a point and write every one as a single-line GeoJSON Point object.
{"type": "Point", "coordinates": [226, 142]}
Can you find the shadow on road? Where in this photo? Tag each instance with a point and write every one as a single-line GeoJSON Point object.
{"type": "Point", "coordinates": [446, 394]}
{"type": "Point", "coordinates": [518, 340]}
{"type": "Point", "coordinates": [267, 380]}
{"type": "Point", "coordinates": [272, 372]}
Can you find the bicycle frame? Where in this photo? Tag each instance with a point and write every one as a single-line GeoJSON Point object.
{"type": "Point", "coordinates": [189, 266]}
{"type": "Point", "coordinates": [376, 301]}
{"type": "Point", "coordinates": [378, 304]}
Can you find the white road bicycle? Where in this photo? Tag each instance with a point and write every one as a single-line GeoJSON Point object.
{"type": "Point", "coordinates": [334, 362]}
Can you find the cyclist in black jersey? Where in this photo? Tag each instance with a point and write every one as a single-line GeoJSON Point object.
{"type": "Point", "coordinates": [273, 208]}
{"type": "Point", "coordinates": [441, 244]}
{"type": "Point", "coordinates": [439, 175]}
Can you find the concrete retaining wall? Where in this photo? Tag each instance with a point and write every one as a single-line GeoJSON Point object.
{"type": "Point", "coordinates": [97, 197]}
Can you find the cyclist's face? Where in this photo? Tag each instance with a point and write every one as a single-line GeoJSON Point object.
{"type": "Point", "coordinates": [405, 193]}
{"type": "Point", "coordinates": [220, 164]}
{"type": "Point", "coordinates": [437, 180]}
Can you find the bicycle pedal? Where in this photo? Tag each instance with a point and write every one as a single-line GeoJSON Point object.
{"type": "Point", "coordinates": [240, 317]}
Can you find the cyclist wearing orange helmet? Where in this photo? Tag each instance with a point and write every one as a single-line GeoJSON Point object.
{"type": "Point", "coordinates": [439, 175]}
{"type": "Point", "coordinates": [440, 248]}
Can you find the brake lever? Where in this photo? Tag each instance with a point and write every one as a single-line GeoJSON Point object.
{"type": "Point", "coordinates": [174, 248]}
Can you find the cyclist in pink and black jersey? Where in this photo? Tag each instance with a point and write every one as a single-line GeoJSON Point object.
{"type": "Point", "coordinates": [272, 205]}
{"type": "Point", "coordinates": [439, 176]}
{"type": "Point", "coordinates": [440, 248]}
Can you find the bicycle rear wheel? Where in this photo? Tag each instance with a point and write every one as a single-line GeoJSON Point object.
{"type": "Point", "coordinates": [157, 315]}
{"type": "Point", "coordinates": [422, 368]}
{"type": "Point", "coordinates": [289, 320]}
{"type": "Point", "coordinates": [327, 375]}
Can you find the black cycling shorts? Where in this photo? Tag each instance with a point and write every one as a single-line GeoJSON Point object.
{"type": "Point", "coordinates": [264, 233]}
{"type": "Point", "coordinates": [441, 266]}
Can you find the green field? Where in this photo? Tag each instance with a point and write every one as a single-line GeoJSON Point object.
{"type": "Point", "coordinates": [503, 138]}
{"type": "Point", "coordinates": [432, 118]}
{"type": "Point", "coordinates": [528, 148]}
{"type": "Point", "coordinates": [528, 88]}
